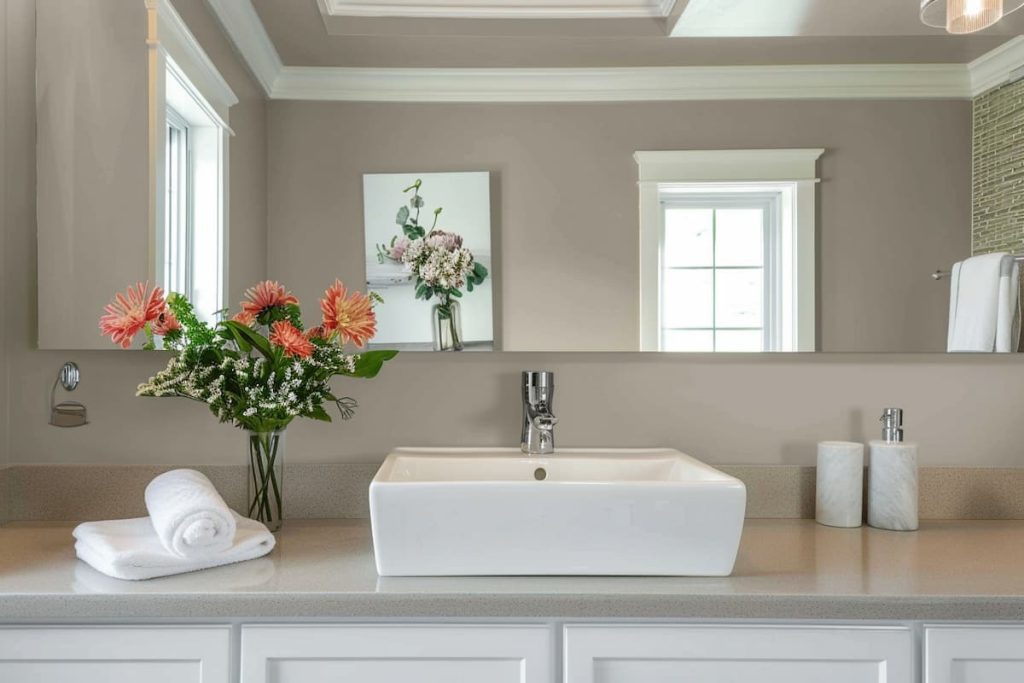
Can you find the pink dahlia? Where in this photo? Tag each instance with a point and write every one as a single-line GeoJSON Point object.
{"type": "Point", "coordinates": [291, 339]}
{"type": "Point", "coordinates": [397, 250]}
{"type": "Point", "coordinates": [129, 312]}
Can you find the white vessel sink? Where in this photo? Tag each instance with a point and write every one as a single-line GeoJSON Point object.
{"type": "Point", "coordinates": [498, 512]}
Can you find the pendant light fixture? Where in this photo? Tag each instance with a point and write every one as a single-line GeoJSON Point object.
{"type": "Point", "coordinates": [966, 16]}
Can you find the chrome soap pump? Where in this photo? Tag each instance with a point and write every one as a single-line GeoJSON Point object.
{"type": "Point", "coordinates": [892, 477]}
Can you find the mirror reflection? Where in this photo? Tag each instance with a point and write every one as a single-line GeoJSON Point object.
{"type": "Point", "coordinates": [706, 197]}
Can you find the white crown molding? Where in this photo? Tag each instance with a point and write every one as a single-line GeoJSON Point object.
{"type": "Point", "coordinates": [885, 81]}
{"type": "Point", "coordinates": [243, 26]}
{"type": "Point", "coordinates": [997, 67]}
{"type": "Point", "coordinates": [497, 9]}
{"type": "Point", "coordinates": [666, 7]}
{"type": "Point", "coordinates": [827, 81]}
{"type": "Point", "coordinates": [178, 43]}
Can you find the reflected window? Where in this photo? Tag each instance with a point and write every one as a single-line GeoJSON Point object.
{"type": "Point", "coordinates": [177, 216]}
{"type": "Point", "coordinates": [191, 235]}
{"type": "Point", "coordinates": [727, 250]}
{"type": "Point", "coordinates": [721, 281]}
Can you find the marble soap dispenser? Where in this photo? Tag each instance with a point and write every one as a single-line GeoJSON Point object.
{"type": "Point", "coordinates": [892, 477]}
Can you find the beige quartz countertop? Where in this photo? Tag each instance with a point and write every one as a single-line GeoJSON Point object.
{"type": "Point", "coordinates": [787, 569]}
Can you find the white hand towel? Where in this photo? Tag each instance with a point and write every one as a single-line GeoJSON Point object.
{"type": "Point", "coordinates": [189, 516]}
{"type": "Point", "coordinates": [1007, 330]}
{"type": "Point", "coordinates": [974, 302]}
{"type": "Point", "coordinates": [130, 549]}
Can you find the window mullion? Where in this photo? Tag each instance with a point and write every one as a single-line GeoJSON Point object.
{"type": "Point", "coordinates": [714, 280]}
{"type": "Point", "coordinates": [189, 214]}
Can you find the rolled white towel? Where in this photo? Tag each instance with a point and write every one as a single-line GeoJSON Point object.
{"type": "Point", "coordinates": [129, 549]}
{"type": "Point", "coordinates": [189, 517]}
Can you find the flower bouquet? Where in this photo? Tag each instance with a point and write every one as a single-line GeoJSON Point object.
{"type": "Point", "coordinates": [442, 267]}
{"type": "Point", "coordinates": [259, 370]}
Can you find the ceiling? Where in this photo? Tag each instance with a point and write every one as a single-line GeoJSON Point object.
{"type": "Point", "coordinates": [710, 18]}
{"type": "Point", "coordinates": [499, 9]}
{"type": "Point", "coordinates": [726, 32]}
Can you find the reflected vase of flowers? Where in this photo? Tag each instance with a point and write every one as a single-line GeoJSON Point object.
{"type": "Point", "coordinates": [447, 325]}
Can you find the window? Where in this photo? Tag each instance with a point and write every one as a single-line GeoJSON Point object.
{"type": "Point", "coordinates": [727, 263]}
{"type": "Point", "coordinates": [188, 105]}
{"type": "Point", "coordinates": [177, 213]}
{"type": "Point", "coordinates": [719, 277]}
{"type": "Point", "coordinates": [191, 235]}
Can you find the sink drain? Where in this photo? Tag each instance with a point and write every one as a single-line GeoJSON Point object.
{"type": "Point", "coordinates": [540, 474]}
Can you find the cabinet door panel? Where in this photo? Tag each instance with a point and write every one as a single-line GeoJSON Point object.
{"type": "Point", "coordinates": [397, 654]}
{"type": "Point", "coordinates": [737, 654]}
{"type": "Point", "coordinates": [115, 654]}
{"type": "Point", "coordinates": [974, 654]}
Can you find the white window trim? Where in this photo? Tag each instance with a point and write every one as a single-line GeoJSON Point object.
{"type": "Point", "coordinates": [175, 53]}
{"type": "Point", "coordinates": [708, 167]}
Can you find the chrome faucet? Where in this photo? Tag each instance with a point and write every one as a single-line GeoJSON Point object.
{"type": "Point", "coordinates": [538, 422]}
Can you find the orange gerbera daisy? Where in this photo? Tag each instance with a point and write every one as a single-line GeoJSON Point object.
{"type": "Point", "coordinates": [291, 339]}
{"type": "Point", "coordinates": [245, 318]}
{"type": "Point", "coordinates": [266, 294]}
{"type": "Point", "coordinates": [350, 315]}
{"type": "Point", "coordinates": [129, 312]}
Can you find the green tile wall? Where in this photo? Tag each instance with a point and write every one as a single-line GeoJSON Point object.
{"type": "Point", "coordinates": [998, 207]}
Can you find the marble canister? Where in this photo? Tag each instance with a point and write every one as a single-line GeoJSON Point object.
{"type": "Point", "coordinates": [840, 490]}
{"type": "Point", "coordinates": [892, 486]}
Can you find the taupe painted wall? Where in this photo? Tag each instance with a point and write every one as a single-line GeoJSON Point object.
{"type": "Point", "coordinates": [894, 203]}
{"type": "Point", "coordinates": [725, 409]}
{"type": "Point", "coordinates": [4, 226]}
{"type": "Point", "coordinates": [92, 162]}
{"type": "Point", "coordinates": [113, 433]}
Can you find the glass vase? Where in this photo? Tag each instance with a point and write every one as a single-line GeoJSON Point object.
{"type": "Point", "coordinates": [447, 325]}
{"type": "Point", "coordinates": [266, 477]}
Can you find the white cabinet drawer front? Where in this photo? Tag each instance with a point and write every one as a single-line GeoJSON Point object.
{"type": "Point", "coordinates": [138, 654]}
{"type": "Point", "coordinates": [974, 654]}
{"type": "Point", "coordinates": [397, 654]}
{"type": "Point", "coordinates": [738, 654]}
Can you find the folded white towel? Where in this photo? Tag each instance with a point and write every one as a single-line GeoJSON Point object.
{"type": "Point", "coordinates": [189, 516]}
{"type": "Point", "coordinates": [982, 304]}
{"type": "Point", "coordinates": [130, 549]}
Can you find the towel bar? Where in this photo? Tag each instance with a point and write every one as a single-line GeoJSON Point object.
{"type": "Point", "coordinates": [940, 274]}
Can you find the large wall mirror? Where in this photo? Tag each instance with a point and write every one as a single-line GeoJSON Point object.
{"type": "Point", "coordinates": [816, 224]}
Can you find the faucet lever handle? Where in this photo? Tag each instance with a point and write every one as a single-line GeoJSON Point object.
{"type": "Point", "coordinates": [545, 422]}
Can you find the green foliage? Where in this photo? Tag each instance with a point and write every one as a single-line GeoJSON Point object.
{"type": "Point", "coordinates": [249, 381]}
{"type": "Point", "coordinates": [196, 333]}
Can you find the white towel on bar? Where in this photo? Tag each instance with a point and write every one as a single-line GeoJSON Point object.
{"type": "Point", "coordinates": [1008, 322]}
{"type": "Point", "coordinates": [189, 516]}
{"type": "Point", "coordinates": [983, 304]}
{"type": "Point", "coordinates": [130, 549]}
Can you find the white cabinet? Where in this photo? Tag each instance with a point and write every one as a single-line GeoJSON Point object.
{"type": "Point", "coordinates": [397, 654]}
{"type": "Point", "coordinates": [974, 654]}
{"type": "Point", "coordinates": [85, 654]}
{"type": "Point", "coordinates": [738, 654]}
